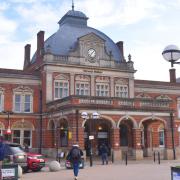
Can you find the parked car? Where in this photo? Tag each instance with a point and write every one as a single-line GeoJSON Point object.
{"type": "Point", "coordinates": [68, 163]}
{"type": "Point", "coordinates": [35, 162]}
{"type": "Point", "coordinates": [15, 154]}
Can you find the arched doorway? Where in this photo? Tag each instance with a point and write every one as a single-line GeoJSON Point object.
{"type": "Point", "coordinates": [100, 131]}
{"type": "Point", "coordinates": [152, 136]}
{"type": "Point", "coordinates": [126, 136]}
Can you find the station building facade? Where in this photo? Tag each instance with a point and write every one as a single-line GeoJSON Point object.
{"type": "Point", "coordinates": [81, 70]}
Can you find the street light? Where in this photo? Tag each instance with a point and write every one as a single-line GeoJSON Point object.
{"type": "Point", "coordinates": [8, 131]}
{"type": "Point", "coordinates": [86, 116]}
{"type": "Point", "coordinates": [172, 134]}
{"type": "Point", "coordinates": [172, 54]}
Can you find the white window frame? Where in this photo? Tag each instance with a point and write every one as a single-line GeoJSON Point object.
{"type": "Point", "coordinates": [102, 91]}
{"type": "Point", "coordinates": [121, 90]}
{"type": "Point", "coordinates": [83, 90]}
{"type": "Point", "coordinates": [178, 107]}
{"type": "Point", "coordinates": [22, 102]}
{"type": "Point", "coordinates": [1, 101]}
{"type": "Point", "coordinates": [63, 89]}
{"type": "Point", "coordinates": [161, 131]}
{"type": "Point", "coordinates": [22, 135]}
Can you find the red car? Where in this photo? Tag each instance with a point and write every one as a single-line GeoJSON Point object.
{"type": "Point", "coordinates": [35, 162]}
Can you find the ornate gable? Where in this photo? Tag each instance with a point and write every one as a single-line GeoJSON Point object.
{"type": "Point", "coordinates": [23, 89]}
{"type": "Point", "coordinates": [143, 96]}
{"type": "Point", "coordinates": [163, 97]}
{"type": "Point", "coordinates": [61, 77]}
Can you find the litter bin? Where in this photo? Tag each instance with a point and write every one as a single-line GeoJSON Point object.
{"type": "Point", "coordinates": [10, 172]}
{"type": "Point", "coordinates": [175, 173]}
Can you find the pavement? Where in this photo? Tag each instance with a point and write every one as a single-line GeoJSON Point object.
{"type": "Point", "coordinates": [134, 170]}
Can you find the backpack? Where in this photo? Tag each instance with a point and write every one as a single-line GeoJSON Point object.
{"type": "Point", "coordinates": [75, 154]}
{"type": "Point", "coordinates": [2, 152]}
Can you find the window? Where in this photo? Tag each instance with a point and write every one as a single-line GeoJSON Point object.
{"type": "Point", "coordinates": [82, 89]}
{"type": "Point", "coordinates": [102, 89]}
{"type": "Point", "coordinates": [178, 107]}
{"type": "Point", "coordinates": [161, 138]}
{"type": "Point", "coordinates": [121, 91]}
{"type": "Point", "coordinates": [23, 102]}
{"type": "Point", "coordinates": [1, 102]}
{"type": "Point", "coordinates": [22, 137]}
{"type": "Point", "coordinates": [61, 89]}
{"type": "Point", "coordinates": [63, 138]}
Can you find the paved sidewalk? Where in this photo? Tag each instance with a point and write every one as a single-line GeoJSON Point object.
{"type": "Point", "coordinates": [135, 170]}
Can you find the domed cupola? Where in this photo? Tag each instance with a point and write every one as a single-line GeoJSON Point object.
{"type": "Point", "coordinates": [72, 28]}
{"type": "Point", "coordinates": [74, 17]}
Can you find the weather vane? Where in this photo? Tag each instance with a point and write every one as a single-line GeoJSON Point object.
{"type": "Point", "coordinates": [73, 5]}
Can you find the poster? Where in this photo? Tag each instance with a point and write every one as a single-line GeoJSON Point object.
{"type": "Point", "coordinates": [176, 175]}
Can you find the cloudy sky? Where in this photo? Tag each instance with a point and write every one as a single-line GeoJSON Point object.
{"type": "Point", "coordinates": [145, 26]}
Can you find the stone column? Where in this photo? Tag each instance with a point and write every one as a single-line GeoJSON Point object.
{"type": "Point", "coordinates": [137, 149]}
{"type": "Point", "coordinates": [49, 85]}
{"type": "Point", "coordinates": [72, 84]}
{"type": "Point", "coordinates": [115, 139]}
{"type": "Point", "coordinates": [131, 88]}
{"type": "Point", "coordinates": [112, 86]}
{"type": "Point", "coordinates": [168, 154]}
{"type": "Point", "coordinates": [92, 85]}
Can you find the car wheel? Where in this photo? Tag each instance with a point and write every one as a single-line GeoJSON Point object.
{"type": "Point", "coordinates": [36, 170]}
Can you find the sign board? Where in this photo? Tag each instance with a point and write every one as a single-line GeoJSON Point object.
{"type": "Point", "coordinates": [69, 135]}
{"type": "Point", "coordinates": [175, 173]}
{"type": "Point", "coordinates": [10, 172]}
{"type": "Point", "coordinates": [91, 137]}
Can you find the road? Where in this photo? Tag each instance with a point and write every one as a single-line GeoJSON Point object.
{"type": "Point", "coordinates": [117, 171]}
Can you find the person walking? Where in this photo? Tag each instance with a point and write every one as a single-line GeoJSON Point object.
{"type": "Point", "coordinates": [2, 154]}
{"type": "Point", "coordinates": [75, 157]}
{"type": "Point", "coordinates": [104, 153]}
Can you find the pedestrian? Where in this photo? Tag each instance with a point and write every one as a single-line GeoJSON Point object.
{"type": "Point", "coordinates": [2, 154]}
{"type": "Point", "coordinates": [104, 153]}
{"type": "Point", "coordinates": [75, 158]}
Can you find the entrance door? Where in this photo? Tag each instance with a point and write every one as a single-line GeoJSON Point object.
{"type": "Point", "coordinates": [123, 135]}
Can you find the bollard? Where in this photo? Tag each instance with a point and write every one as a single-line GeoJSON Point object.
{"type": "Point", "coordinates": [154, 156]}
{"type": "Point", "coordinates": [126, 158]}
{"type": "Point", "coordinates": [158, 158]}
{"type": "Point", "coordinates": [112, 156]}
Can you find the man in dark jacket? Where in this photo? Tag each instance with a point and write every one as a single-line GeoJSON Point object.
{"type": "Point", "coordinates": [2, 154]}
{"type": "Point", "coordinates": [75, 157]}
{"type": "Point", "coordinates": [104, 153]}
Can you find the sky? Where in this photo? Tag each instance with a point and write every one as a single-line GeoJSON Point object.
{"type": "Point", "coordinates": [145, 26]}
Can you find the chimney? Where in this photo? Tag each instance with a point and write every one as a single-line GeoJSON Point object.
{"type": "Point", "coordinates": [172, 73]}
{"type": "Point", "coordinates": [120, 46]}
{"type": "Point", "coordinates": [40, 43]}
{"type": "Point", "coordinates": [27, 55]}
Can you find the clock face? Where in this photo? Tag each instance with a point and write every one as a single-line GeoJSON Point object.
{"type": "Point", "coordinates": [92, 53]}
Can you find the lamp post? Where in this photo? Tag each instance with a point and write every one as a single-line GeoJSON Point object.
{"type": "Point", "coordinates": [8, 131]}
{"type": "Point", "coordinates": [93, 116]}
{"type": "Point", "coordinates": [171, 53]}
{"type": "Point", "coordinates": [172, 134]}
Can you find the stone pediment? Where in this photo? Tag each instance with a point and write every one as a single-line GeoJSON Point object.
{"type": "Point", "coordinates": [92, 37]}
{"type": "Point", "coordinates": [23, 89]}
{"type": "Point", "coordinates": [61, 77]}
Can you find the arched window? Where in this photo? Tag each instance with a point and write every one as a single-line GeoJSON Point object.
{"type": "Point", "coordinates": [63, 130]}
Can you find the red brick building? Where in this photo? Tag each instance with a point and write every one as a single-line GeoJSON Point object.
{"type": "Point", "coordinates": [79, 69]}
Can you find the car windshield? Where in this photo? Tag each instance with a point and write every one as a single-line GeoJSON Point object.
{"type": "Point", "coordinates": [16, 149]}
